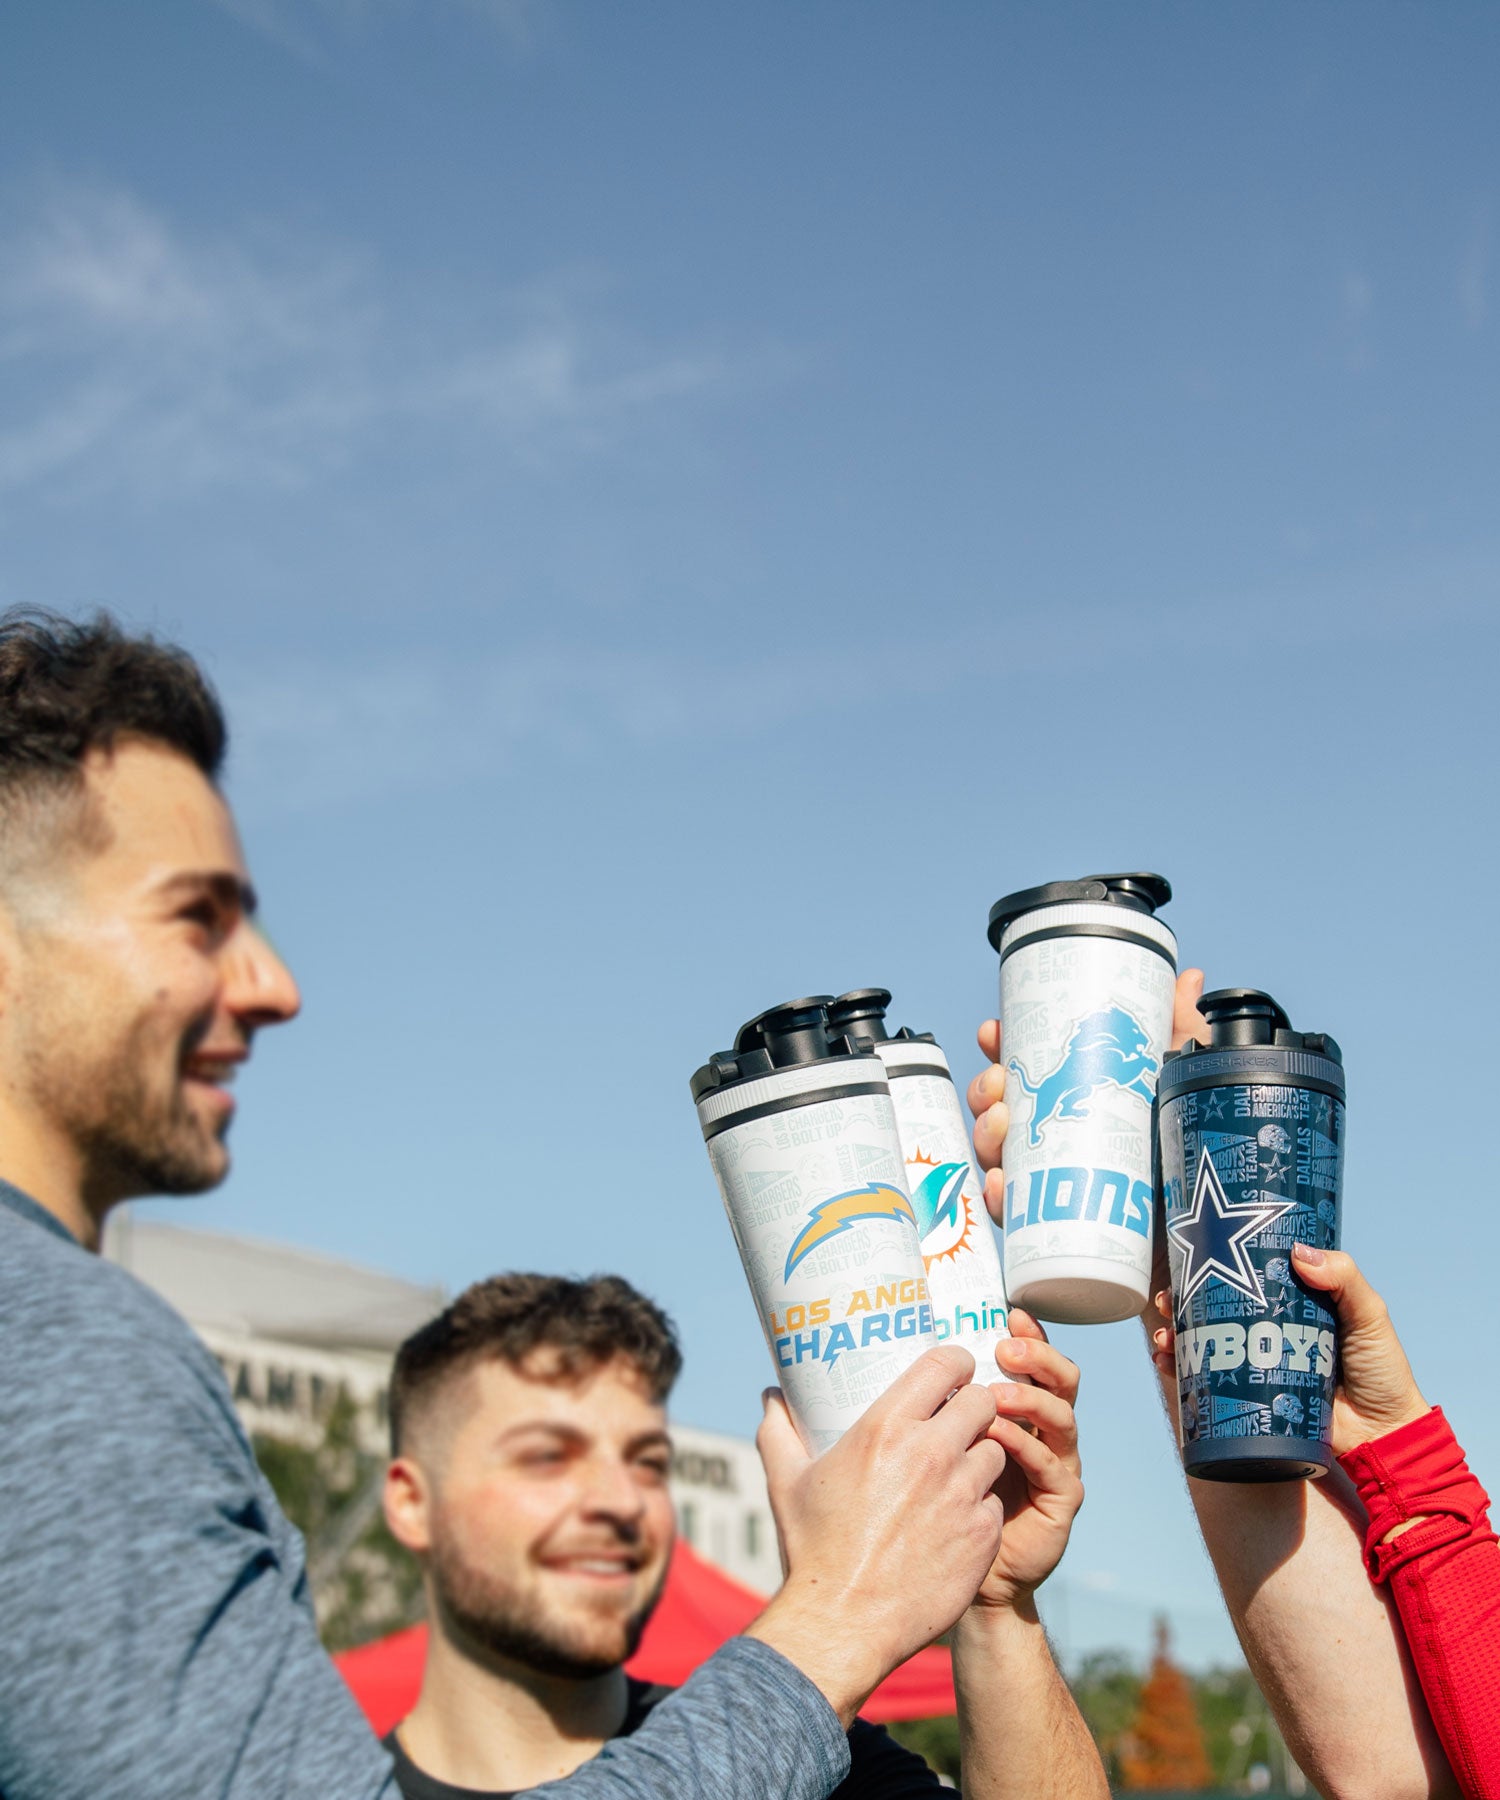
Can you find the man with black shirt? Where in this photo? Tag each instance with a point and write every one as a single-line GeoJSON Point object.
{"type": "Point", "coordinates": [529, 1475]}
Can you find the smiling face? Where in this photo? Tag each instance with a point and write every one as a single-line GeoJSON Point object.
{"type": "Point", "coordinates": [134, 982]}
{"type": "Point", "coordinates": [540, 1508]}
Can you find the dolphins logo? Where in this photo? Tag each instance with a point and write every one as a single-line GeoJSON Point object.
{"type": "Point", "coordinates": [942, 1209]}
{"type": "Point", "coordinates": [1107, 1049]}
{"type": "Point", "coordinates": [877, 1200]}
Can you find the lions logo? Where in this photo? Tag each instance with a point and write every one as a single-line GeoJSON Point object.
{"type": "Point", "coordinates": [1107, 1049]}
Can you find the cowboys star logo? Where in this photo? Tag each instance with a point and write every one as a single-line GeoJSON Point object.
{"type": "Point", "coordinates": [1212, 1234]}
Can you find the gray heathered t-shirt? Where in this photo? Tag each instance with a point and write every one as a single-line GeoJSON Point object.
{"type": "Point", "coordinates": [156, 1631]}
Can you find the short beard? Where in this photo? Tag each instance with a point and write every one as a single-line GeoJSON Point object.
{"type": "Point", "coordinates": [486, 1618]}
{"type": "Point", "coordinates": [132, 1142]}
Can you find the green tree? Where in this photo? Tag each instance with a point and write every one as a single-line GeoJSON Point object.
{"type": "Point", "coordinates": [1237, 1729]}
{"type": "Point", "coordinates": [364, 1584]}
{"type": "Point", "coordinates": [1108, 1691]}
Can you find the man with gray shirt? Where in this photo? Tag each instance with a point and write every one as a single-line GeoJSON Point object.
{"type": "Point", "coordinates": [158, 1635]}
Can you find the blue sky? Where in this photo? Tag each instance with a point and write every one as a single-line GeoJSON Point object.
{"type": "Point", "coordinates": [688, 503]}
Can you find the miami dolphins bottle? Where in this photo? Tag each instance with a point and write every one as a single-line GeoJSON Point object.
{"type": "Point", "coordinates": [802, 1136]}
{"type": "Point", "coordinates": [1251, 1129]}
{"type": "Point", "coordinates": [947, 1191]}
{"type": "Point", "coordinates": [1087, 973]}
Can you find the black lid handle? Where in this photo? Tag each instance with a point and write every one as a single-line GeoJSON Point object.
{"type": "Point", "coordinates": [1242, 1016]}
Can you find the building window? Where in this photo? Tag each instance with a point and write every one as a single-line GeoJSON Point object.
{"type": "Point", "coordinates": [687, 1517]}
{"type": "Point", "coordinates": [752, 1534]}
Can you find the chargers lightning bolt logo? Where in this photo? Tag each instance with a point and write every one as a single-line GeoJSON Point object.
{"type": "Point", "coordinates": [828, 1218]}
{"type": "Point", "coordinates": [1107, 1049]}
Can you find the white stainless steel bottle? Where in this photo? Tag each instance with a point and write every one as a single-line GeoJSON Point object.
{"type": "Point", "coordinates": [802, 1136]}
{"type": "Point", "coordinates": [1087, 974]}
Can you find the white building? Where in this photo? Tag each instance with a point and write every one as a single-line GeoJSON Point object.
{"type": "Point", "coordinates": [722, 1509]}
{"type": "Point", "coordinates": [291, 1328]}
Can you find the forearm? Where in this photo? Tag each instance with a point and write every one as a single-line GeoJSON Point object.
{"type": "Point", "coordinates": [1325, 1648]}
{"type": "Point", "coordinates": [1022, 1735]}
{"type": "Point", "coordinates": [745, 1726]}
{"type": "Point", "coordinates": [1429, 1540]}
{"type": "Point", "coordinates": [843, 1659]}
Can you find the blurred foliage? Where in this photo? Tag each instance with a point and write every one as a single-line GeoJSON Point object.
{"type": "Point", "coordinates": [372, 1586]}
{"type": "Point", "coordinates": [1162, 1747]}
{"type": "Point", "coordinates": [1238, 1735]}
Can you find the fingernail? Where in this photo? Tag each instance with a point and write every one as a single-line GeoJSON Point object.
{"type": "Point", "coordinates": [1309, 1253]}
{"type": "Point", "coordinates": [1012, 1346]}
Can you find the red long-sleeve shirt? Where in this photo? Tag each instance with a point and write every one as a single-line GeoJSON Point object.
{"type": "Point", "coordinates": [1445, 1576]}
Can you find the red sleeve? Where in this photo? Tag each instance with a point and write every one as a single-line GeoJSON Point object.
{"type": "Point", "coordinates": [1445, 1577]}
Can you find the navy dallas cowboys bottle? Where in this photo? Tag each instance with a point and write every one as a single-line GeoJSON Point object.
{"type": "Point", "coordinates": [1251, 1143]}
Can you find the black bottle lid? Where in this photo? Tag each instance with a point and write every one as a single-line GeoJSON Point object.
{"type": "Point", "coordinates": [1139, 892]}
{"type": "Point", "coordinates": [1246, 1016]}
{"type": "Point", "coordinates": [795, 1031]}
{"type": "Point", "coordinates": [860, 1014]}
{"type": "Point", "coordinates": [1251, 1038]}
{"type": "Point", "coordinates": [791, 1035]}
{"type": "Point", "coordinates": [1242, 1016]}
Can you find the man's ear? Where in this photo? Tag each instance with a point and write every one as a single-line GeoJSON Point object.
{"type": "Point", "coordinates": [408, 1504]}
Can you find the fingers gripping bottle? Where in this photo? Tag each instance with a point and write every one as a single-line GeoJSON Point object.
{"type": "Point", "coordinates": [802, 1136]}
{"type": "Point", "coordinates": [947, 1190]}
{"type": "Point", "coordinates": [1251, 1131]}
{"type": "Point", "coordinates": [1087, 973]}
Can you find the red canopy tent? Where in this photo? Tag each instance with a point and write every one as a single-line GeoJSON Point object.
{"type": "Point", "coordinates": [700, 1608]}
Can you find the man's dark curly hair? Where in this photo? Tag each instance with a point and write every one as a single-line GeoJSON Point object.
{"type": "Point", "coordinates": [68, 688]}
{"type": "Point", "coordinates": [580, 1324]}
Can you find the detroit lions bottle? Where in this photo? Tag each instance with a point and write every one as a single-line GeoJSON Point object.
{"type": "Point", "coordinates": [1086, 983]}
{"type": "Point", "coordinates": [802, 1136]}
{"type": "Point", "coordinates": [1251, 1131]}
{"type": "Point", "coordinates": [947, 1191]}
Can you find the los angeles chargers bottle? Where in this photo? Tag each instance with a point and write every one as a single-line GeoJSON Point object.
{"type": "Point", "coordinates": [1251, 1130]}
{"type": "Point", "coordinates": [1087, 973]}
{"type": "Point", "coordinates": [947, 1191]}
{"type": "Point", "coordinates": [802, 1136]}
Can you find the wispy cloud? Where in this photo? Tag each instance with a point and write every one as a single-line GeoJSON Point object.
{"type": "Point", "coordinates": [324, 732]}
{"type": "Point", "coordinates": [312, 29]}
{"type": "Point", "coordinates": [137, 354]}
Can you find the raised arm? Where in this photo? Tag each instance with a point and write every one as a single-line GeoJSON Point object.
{"type": "Point", "coordinates": [1023, 1736]}
{"type": "Point", "coordinates": [1326, 1649]}
{"type": "Point", "coordinates": [1427, 1533]}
